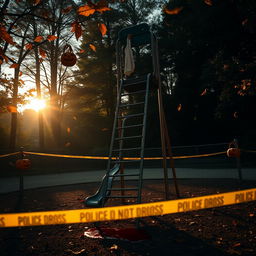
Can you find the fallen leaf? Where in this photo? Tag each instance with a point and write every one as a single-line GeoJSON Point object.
{"type": "Point", "coordinates": [173, 11]}
{"type": "Point", "coordinates": [179, 107]}
{"type": "Point", "coordinates": [92, 47]}
{"type": "Point", "coordinates": [103, 29]}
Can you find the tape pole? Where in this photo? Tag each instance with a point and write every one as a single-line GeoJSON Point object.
{"type": "Point", "coordinates": [126, 212]}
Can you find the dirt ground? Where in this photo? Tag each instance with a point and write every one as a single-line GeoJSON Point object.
{"type": "Point", "coordinates": [229, 230]}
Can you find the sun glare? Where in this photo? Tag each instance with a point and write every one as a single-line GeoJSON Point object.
{"type": "Point", "coordinates": [36, 104]}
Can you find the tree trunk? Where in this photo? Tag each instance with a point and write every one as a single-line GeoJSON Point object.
{"type": "Point", "coordinates": [14, 113]}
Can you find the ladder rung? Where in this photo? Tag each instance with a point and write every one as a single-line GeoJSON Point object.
{"type": "Point", "coordinates": [123, 189]}
{"type": "Point", "coordinates": [129, 116]}
{"type": "Point", "coordinates": [125, 149]}
{"type": "Point", "coordinates": [129, 137]}
{"type": "Point", "coordinates": [124, 175]}
{"type": "Point", "coordinates": [121, 196]}
{"type": "Point", "coordinates": [130, 126]}
{"type": "Point", "coordinates": [130, 93]}
{"type": "Point", "coordinates": [131, 104]}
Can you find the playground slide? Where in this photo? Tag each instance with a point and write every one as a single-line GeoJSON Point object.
{"type": "Point", "coordinates": [97, 199]}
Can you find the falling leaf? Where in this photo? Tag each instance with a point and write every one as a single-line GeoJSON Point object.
{"type": "Point", "coordinates": [103, 29]}
{"type": "Point", "coordinates": [42, 53]}
{"type": "Point", "coordinates": [179, 107]}
{"type": "Point", "coordinates": [12, 109]}
{"type": "Point", "coordinates": [6, 36]}
{"type": "Point", "coordinates": [244, 22]}
{"type": "Point", "coordinates": [251, 215]}
{"type": "Point", "coordinates": [68, 130]}
{"type": "Point", "coordinates": [92, 47]}
{"type": "Point", "coordinates": [208, 2]}
{"type": "Point", "coordinates": [81, 51]}
{"type": "Point", "coordinates": [114, 247]}
{"type": "Point", "coordinates": [77, 29]}
{"type": "Point", "coordinates": [20, 74]}
{"type": "Point", "coordinates": [173, 11]}
{"type": "Point", "coordinates": [235, 115]}
{"type": "Point", "coordinates": [236, 245]}
{"type": "Point", "coordinates": [28, 46]}
{"type": "Point", "coordinates": [67, 9]}
{"type": "Point", "coordinates": [41, 60]}
{"type": "Point", "coordinates": [51, 38]}
{"type": "Point", "coordinates": [14, 65]}
{"type": "Point", "coordinates": [85, 10]}
{"type": "Point", "coordinates": [39, 39]}
{"type": "Point", "coordinates": [204, 92]}
{"type": "Point", "coordinates": [68, 144]}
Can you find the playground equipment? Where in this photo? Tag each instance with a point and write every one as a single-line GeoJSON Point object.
{"type": "Point", "coordinates": [129, 128]}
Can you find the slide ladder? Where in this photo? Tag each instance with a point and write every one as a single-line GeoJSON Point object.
{"type": "Point", "coordinates": [128, 140]}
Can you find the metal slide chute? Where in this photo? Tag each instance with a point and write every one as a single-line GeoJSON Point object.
{"type": "Point", "coordinates": [98, 199]}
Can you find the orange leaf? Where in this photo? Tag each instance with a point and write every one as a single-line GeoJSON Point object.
{"type": "Point", "coordinates": [179, 107]}
{"type": "Point", "coordinates": [103, 29]}
{"type": "Point", "coordinates": [41, 60]}
{"type": "Point", "coordinates": [208, 2]}
{"type": "Point", "coordinates": [5, 35]}
{"type": "Point", "coordinates": [39, 39]}
{"type": "Point", "coordinates": [102, 6]}
{"type": "Point", "coordinates": [92, 47]}
{"type": "Point", "coordinates": [12, 109]}
{"type": "Point", "coordinates": [77, 29]}
{"type": "Point", "coordinates": [51, 38]}
{"type": "Point", "coordinates": [14, 65]}
{"type": "Point", "coordinates": [81, 51]}
{"type": "Point", "coordinates": [1, 60]}
{"type": "Point", "coordinates": [85, 10]}
{"type": "Point", "coordinates": [173, 11]}
{"type": "Point", "coordinates": [20, 74]}
{"type": "Point", "coordinates": [68, 130]}
{"type": "Point", "coordinates": [42, 52]}
{"type": "Point", "coordinates": [36, 2]}
{"type": "Point", "coordinates": [67, 9]}
{"type": "Point", "coordinates": [28, 46]}
{"type": "Point", "coordinates": [204, 92]}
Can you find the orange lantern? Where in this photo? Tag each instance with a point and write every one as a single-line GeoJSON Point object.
{"type": "Point", "coordinates": [23, 164]}
{"type": "Point", "coordinates": [233, 152]}
{"type": "Point", "coordinates": [68, 58]}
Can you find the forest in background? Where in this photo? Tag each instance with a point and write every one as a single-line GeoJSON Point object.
{"type": "Point", "coordinates": [207, 60]}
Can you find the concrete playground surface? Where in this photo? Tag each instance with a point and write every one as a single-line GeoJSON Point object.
{"type": "Point", "coordinates": [11, 184]}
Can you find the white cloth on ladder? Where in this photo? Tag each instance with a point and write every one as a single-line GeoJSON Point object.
{"type": "Point", "coordinates": [129, 65]}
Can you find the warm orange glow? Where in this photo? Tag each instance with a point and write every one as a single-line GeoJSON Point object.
{"type": "Point", "coordinates": [36, 104]}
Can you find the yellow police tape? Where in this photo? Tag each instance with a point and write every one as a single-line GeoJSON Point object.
{"type": "Point", "coordinates": [124, 158]}
{"type": "Point", "coordinates": [126, 212]}
{"type": "Point", "coordinates": [10, 154]}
